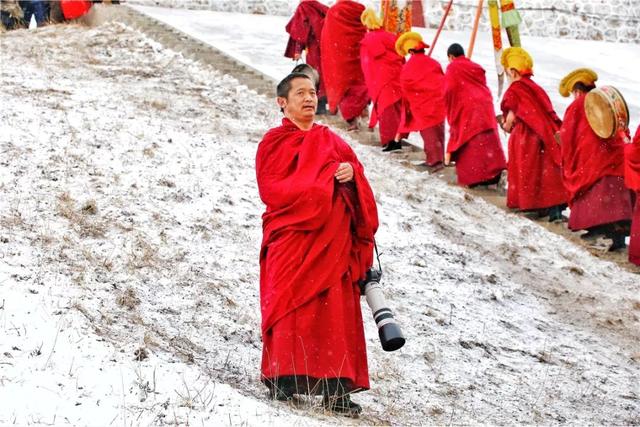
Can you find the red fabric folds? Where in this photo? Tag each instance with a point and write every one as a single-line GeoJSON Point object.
{"type": "Point", "coordinates": [535, 173]}
{"type": "Point", "coordinates": [479, 160]}
{"type": "Point", "coordinates": [317, 243]}
{"type": "Point", "coordinates": [632, 163]}
{"type": "Point", "coordinates": [606, 202]}
{"type": "Point", "coordinates": [634, 242]}
{"type": "Point", "coordinates": [74, 9]}
{"type": "Point", "coordinates": [586, 158]}
{"type": "Point", "coordinates": [381, 66]}
{"type": "Point", "coordinates": [340, 46]}
{"type": "Point", "coordinates": [305, 30]}
{"type": "Point", "coordinates": [422, 82]}
{"type": "Point", "coordinates": [468, 101]}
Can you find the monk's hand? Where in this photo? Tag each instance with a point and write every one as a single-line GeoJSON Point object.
{"type": "Point", "coordinates": [296, 56]}
{"type": "Point", "coordinates": [344, 173]}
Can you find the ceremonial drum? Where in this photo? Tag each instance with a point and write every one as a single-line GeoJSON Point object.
{"type": "Point", "coordinates": [607, 111]}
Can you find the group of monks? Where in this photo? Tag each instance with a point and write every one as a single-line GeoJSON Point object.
{"type": "Point", "coordinates": [321, 216]}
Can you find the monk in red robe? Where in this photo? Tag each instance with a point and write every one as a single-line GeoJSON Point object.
{"type": "Point", "coordinates": [305, 29]}
{"type": "Point", "coordinates": [632, 180]}
{"type": "Point", "coordinates": [535, 159]}
{"type": "Point", "coordinates": [381, 66]}
{"type": "Point", "coordinates": [422, 82]}
{"type": "Point", "coordinates": [317, 245]}
{"type": "Point", "coordinates": [340, 46]}
{"type": "Point", "coordinates": [474, 143]}
{"type": "Point", "coordinates": [593, 168]}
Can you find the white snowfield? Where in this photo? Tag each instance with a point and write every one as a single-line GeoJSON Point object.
{"type": "Point", "coordinates": [130, 228]}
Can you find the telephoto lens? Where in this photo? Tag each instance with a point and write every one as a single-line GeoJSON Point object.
{"type": "Point", "coordinates": [389, 331]}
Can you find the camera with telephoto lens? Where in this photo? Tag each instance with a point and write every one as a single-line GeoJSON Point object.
{"type": "Point", "coordinates": [389, 331]}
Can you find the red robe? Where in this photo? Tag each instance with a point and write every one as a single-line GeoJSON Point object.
{"type": "Point", "coordinates": [535, 159]}
{"type": "Point", "coordinates": [381, 66]}
{"type": "Point", "coordinates": [473, 138]}
{"type": "Point", "coordinates": [340, 46]}
{"type": "Point", "coordinates": [593, 170]}
{"type": "Point", "coordinates": [422, 82]}
{"type": "Point", "coordinates": [632, 180]}
{"type": "Point", "coordinates": [317, 244]}
{"type": "Point", "coordinates": [305, 30]}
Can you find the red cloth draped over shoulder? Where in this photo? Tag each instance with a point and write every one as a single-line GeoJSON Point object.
{"type": "Point", "coordinates": [469, 102]}
{"type": "Point", "coordinates": [422, 82]}
{"type": "Point", "coordinates": [295, 173]}
{"type": "Point", "coordinates": [340, 46]}
{"type": "Point", "coordinates": [586, 157]}
{"type": "Point", "coordinates": [632, 164]}
{"type": "Point", "coordinates": [532, 106]}
{"type": "Point", "coordinates": [381, 66]}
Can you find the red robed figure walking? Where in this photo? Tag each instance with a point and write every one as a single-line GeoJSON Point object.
{"type": "Point", "coordinates": [317, 245]}
{"type": "Point", "coordinates": [305, 30]}
{"type": "Point", "coordinates": [422, 83]}
{"type": "Point", "coordinates": [474, 143]}
{"type": "Point", "coordinates": [593, 168]}
{"type": "Point", "coordinates": [340, 46]}
{"type": "Point", "coordinates": [381, 66]}
{"type": "Point", "coordinates": [632, 180]}
{"type": "Point", "coordinates": [535, 159]}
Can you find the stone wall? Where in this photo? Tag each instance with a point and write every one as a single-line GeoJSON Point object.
{"type": "Point", "coordinates": [610, 20]}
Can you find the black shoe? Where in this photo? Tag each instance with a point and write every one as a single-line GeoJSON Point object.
{"type": "Point", "coordinates": [322, 106]}
{"type": "Point", "coordinates": [555, 213]}
{"type": "Point", "coordinates": [392, 146]}
{"type": "Point", "coordinates": [342, 405]}
{"type": "Point", "coordinates": [279, 395]}
{"type": "Point", "coordinates": [618, 242]}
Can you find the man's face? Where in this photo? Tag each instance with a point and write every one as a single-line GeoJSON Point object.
{"type": "Point", "coordinates": [302, 101]}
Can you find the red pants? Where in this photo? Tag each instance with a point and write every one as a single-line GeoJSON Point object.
{"type": "Point", "coordinates": [634, 244]}
{"type": "Point", "coordinates": [388, 122]}
{"type": "Point", "coordinates": [354, 101]}
{"type": "Point", "coordinates": [433, 139]}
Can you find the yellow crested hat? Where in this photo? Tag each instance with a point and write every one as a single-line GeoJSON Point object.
{"type": "Point", "coordinates": [517, 58]}
{"type": "Point", "coordinates": [408, 41]}
{"type": "Point", "coordinates": [581, 75]}
{"type": "Point", "coordinates": [370, 19]}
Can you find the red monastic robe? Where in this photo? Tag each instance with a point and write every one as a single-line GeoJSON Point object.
{"type": "Point", "coordinates": [535, 159]}
{"type": "Point", "coordinates": [381, 66]}
{"type": "Point", "coordinates": [317, 244]}
{"type": "Point", "coordinates": [632, 180]}
{"type": "Point", "coordinates": [423, 107]}
{"type": "Point", "coordinates": [593, 171]}
{"type": "Point", "coordinates": [305, 30]}
{"type": "Point", "coordinates": [340, 46]}
{"type": "Point", "coordinates": [473, 139]}
{"type": "Point", "coordinates": [422, 83]}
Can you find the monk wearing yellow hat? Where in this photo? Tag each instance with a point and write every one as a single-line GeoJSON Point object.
{"type": "Point", "coordinates": [422, 82]}
{"type": "Point", "coordinates": [381, 66]}
{"type": "Point", "coordinates": [474, 143]}
{"type": "Point", "coordinates": [535, 160]}
{"type": "Point", "coordinates": [593, 168]}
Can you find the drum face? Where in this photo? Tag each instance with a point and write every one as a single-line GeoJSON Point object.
{"type": "Point", "coordinates": [606, 111]}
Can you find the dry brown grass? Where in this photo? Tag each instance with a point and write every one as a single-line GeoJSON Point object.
{"type": "Point", "coordinates": [84, 221]}
{"type": "Point", "coordinates": [128, 299]}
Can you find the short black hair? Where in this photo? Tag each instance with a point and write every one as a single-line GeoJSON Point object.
{"type": "Point", "coordinates": [455, 50]}
{"type": "Point", "coordinates": [583, 87]}
{"type": "Point", "coordinates": [282, 91]}
{"type": "Point", "coordinates": [309, 71]}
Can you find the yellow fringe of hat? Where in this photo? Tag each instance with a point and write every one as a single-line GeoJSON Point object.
{"type": "Point", "coordinates": [370, 19]}
{"type": "Point", "coordinates": [581, 75]}
{"type": "Point", "coordinates": [407, 41]}
{"type": "Point", "coordinates": [518, 59]}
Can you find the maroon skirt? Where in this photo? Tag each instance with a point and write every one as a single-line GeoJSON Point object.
{"type": "Point", "coordinates": [606, 202]}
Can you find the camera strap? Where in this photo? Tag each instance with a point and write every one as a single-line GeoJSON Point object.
{"type": "Point", "coordinates": [375, 246]}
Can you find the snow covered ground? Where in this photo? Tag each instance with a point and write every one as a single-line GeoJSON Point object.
{"type": "Point", "coordinates": [259, 41]}
{"type": "Point", "coordinates": [130, 228]}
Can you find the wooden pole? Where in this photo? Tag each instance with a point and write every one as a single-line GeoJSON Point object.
{"type": "Point", "coordinates": [442, 21]}
{"type": "Point", "coordinates": [476, 22]}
